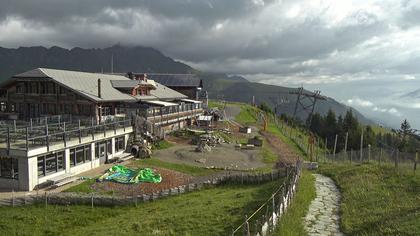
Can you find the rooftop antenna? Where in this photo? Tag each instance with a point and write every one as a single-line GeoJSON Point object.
{"type": "Point", "coordinates": [112, 63]}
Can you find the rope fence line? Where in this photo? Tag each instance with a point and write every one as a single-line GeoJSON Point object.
{"type": "Point", "coordinates": [265, 218]}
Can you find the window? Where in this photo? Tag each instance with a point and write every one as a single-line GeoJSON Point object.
{"type": "Point", "coordinates": [9, 168]}
{"type": "Point", "coordinates": [80, 155]}
{"type": "Point", "coordinates": [3, 106]}
{"type": "Point", "coordinates": [119, 144]}
{"type": "Point", "coordinates": [96, 150]}
{"type": "Point", "coordinates": [33, 87]}
{"type": "Point", "coordinates": [109, 146]}
{"type": "Point", "coordinates": [50, 88]}
{"type": "Point", "coordinates": [51, 108]}
{"type": "Point", "coordinates": [50, 163]}
{"type": "Point", "coordinates": [20, 88]}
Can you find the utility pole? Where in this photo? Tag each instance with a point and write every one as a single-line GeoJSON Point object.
{"type": "Point", "coordinates": [306, 102]}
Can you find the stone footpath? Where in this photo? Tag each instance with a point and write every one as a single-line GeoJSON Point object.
{"type": "Point", "coordinates": [323, 218]}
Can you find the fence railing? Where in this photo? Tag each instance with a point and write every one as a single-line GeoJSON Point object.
{"type": "Point", "coordinates": [264, 220]}
{"type": "Point", "coordinates": [32, 137]}
{"type": "Point", "coordinates": [99, 199]}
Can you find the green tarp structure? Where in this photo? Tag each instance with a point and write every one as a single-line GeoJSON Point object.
{"type": "Point", "coordinates": [122, 174]}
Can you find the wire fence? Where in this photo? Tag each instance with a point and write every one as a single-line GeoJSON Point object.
{"type": "Point", "coordinates": [318, 152]}
{"type": "Point", "coordinates": [264, 220]}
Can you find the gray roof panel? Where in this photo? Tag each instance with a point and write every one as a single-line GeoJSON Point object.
{"type": "Point", "coordinates": [87, 84]}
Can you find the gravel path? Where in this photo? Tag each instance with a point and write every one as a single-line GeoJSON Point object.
{"type": "Point", "coordinates": [323, 218]}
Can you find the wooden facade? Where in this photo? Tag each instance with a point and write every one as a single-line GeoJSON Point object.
{"type": "Point", "coordinates": [32, 98]}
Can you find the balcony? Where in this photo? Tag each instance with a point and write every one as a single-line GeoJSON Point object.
{"type": "Point", "coordinates": [31, 140]}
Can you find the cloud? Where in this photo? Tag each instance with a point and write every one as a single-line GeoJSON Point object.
{"type": "Point", "coordinates": [326, 44]}
{"type": "Point", "coordinates": [368, 105]}
{"type": "Point", "coordinates": [360, 102]}
{"type": "Point", "coordinates": [409, 77]}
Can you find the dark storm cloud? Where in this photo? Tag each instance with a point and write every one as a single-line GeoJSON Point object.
{"type": "Point", "coordinates": [277, 41]}
{"type": "Point", "coordinates": [53, 11]}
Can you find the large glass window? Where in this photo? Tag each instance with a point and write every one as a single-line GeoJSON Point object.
{"type": "Point", "coordinates": [9, 168]}
{"type": "Point", "coordinates": [50, 163]}
{"type": "Point", "coordinates": [80, 155]}
{"type": "Point", "coordinates": [119, 144]}
{"type": "Point", "coordinates": [109, 146]}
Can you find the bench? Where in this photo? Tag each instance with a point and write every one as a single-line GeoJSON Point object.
{"type": "Point", "coordinates": [61, 180]}
{"type": "Point", "coordinates": [65, 181]}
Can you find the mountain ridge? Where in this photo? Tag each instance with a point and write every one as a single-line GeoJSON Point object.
{"type": "Point", "coordinates": [147, 59]}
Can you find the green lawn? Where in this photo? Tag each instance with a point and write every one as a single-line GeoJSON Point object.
{"type": "Point", "coordinates": [291, 222]}
{"type": "Point", "coordinates": [214, 211]}
{"type": "Point", "coordinates": [162, 144]}
{"type": "Point", "coordinates": [247, 115]}
{"type": "Point", "coordinates": [377, 200]}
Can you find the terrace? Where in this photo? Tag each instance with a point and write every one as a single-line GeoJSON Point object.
{"type": "Point", "coordinates": [161, 113]}
{"type": "Point", "coordinates": [20, 138]}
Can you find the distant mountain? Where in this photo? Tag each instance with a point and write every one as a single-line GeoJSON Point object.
{"type": "Point", "coordinates": [126, 59]}
{"type": "Point", "coordinates": [413, 94]}
{"type": "Point", "coordinates": [242, 91]}
{"type": "Point", "coordinates": [237, 78]}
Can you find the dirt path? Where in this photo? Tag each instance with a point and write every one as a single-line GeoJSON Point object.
{"type": "Point", "coordinates": [285, 153]}
{"type": "Point", "coordinates": [322, 218]}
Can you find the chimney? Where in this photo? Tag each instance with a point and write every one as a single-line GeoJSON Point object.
{"type": "Point", "coordinates": [99, 88]}
{"type": "Point", "coordinates": [130, 75]}
{"type": "Point", "coordinates": [141, 77]}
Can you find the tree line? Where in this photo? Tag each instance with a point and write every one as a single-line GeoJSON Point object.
{"type": "Point", "coordinates": [327, 127]}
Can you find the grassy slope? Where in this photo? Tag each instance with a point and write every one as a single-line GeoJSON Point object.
{"type": "Point", "coordinates": [377, 200]}
{"type": "Point", "coordinates": [291, 222]}
{"type": "Point", "coordinates": [214, 211]}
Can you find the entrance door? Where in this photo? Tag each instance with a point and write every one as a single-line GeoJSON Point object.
{"type": "Point", "coordinates": [102, 153]}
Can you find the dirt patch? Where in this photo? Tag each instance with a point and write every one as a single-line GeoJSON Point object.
{"type": "Point", "coordinates": [170, 179]}
{"type": "Point", "coordinates": [222, 156]}
{"type": "Point", "coordinates": [285, 153]}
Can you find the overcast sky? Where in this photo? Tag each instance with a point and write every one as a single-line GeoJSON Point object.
{"type": "Point", "coordinates": [363, 53]}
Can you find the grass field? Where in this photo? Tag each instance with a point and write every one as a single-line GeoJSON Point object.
{"type": "Point", "coordinates": [214, 211]}
{"type": "Point", "coordinates": [291, 222]}
{"type": "Point", "coordinates": [248, 115]}
{"type": "Point", "coordinates": [162, 144]}
{"type": "Point", "coordinates": [377, 200]}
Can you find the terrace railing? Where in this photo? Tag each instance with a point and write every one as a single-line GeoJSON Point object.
{"type": "Point", "coordinates": [32, 137]}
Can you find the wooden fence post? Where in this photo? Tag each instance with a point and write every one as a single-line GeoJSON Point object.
{"type": "Point", "coordinates": [380, 155]}
{"type": "Point", "coordinates": [246, 229]}
{"type": "Point", "coordinates": [335, 145]}
{"type": "Point", "coordinates": [361, 147]}
{"type": "Point", "coordinates": [416, 159]}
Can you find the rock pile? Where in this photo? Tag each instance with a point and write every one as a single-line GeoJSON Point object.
{"type": "Point", "coordinates": [206, 141]}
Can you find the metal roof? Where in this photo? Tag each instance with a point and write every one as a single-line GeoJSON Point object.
{"type": "Point", "coordinates": [124, 83]}
{"type": "Point", "coordinates": [191, 101]}
{"type": "Point", "coordinates": [87, 84]}
{"type": "Point", "coordinates": [175, 80]}
{"type": "Point", "coordinates": [161, 103]}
